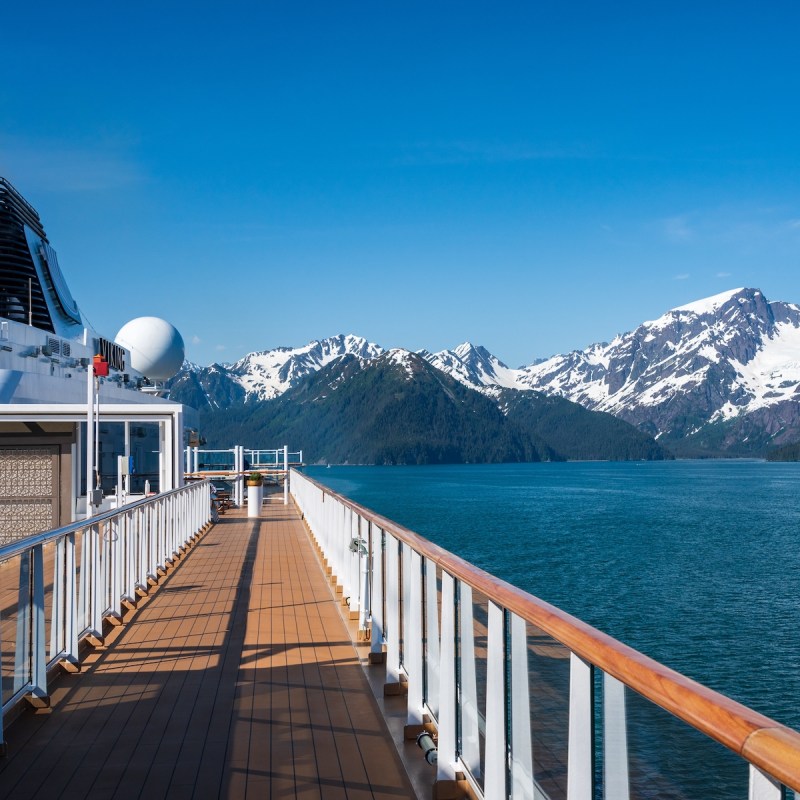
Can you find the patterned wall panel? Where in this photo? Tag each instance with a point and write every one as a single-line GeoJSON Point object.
{"type": "Point", "coordinates": [27, 491]}
{"type": "Point", "coordinates": [26, 472]}
{"type": "Point", "coordinates": [24, 517]}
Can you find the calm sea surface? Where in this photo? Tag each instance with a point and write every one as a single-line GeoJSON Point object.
{"type": "Point", "coordinates": [695, 563]}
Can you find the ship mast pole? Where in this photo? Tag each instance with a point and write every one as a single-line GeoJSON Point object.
{"type": "Point", "coordinates": [97, 484]}
{"type": "Point", "coordinates": [89, 437]}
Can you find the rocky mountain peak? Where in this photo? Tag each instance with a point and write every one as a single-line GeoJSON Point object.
{"type": "Point", "coordinates": [718, 361]}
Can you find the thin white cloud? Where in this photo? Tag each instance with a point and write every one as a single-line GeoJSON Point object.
{"type": "Point", "coordinates": [196, 339]}
{"type": "Point", "coordinates": [682, 277]}
{"type": "Point", "coordinates": [723, 274]}
{"type": "Point", "coordinates": [220, 347]}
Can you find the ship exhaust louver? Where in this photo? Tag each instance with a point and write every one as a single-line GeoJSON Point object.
{"type": "Point", "coordinates": [22, 297]}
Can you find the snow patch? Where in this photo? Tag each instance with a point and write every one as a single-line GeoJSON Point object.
{"type": "Point", "coordinates": [403, 358]}
{"type": "Point", "coordinates": [710, 304]}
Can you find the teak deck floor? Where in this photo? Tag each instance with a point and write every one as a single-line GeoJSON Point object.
{"type": "Point", "coordinates": [237, 678]}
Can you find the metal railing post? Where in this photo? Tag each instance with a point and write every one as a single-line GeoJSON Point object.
{"type": "Point", "coordinates": [763, 786]}
{"type": "Point", "coordinates": [412, 645]}
{"type": "Point", "coordinates": [376, 599]}
{"type": "Point", "coordinates": [615, 740]}
{"type": "Point", "coordinates": [38, 651]}
{"type": "Point", "coordinates": [448, 692]}
{"type": "Point", "coordinates": [405, 608]}
{"type": "Point", "coordinates": [470, 732]}
{"type": "Point", "coordinates": [432, 656]}
{"type": "Point", "coordinates": [392, 610]}
{"type": "Point", "coordinates": [495, 779]}
{"type": "Point", "coordinates": [580, 747]}
{"type": "Point", "coordinates": [522, 778]}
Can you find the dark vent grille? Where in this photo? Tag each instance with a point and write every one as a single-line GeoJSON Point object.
{"type": "Point", "coordinates": [21, 295]}
{"type": "Point", "coordinates": [54, 345]}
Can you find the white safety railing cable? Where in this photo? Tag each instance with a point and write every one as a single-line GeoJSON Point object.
{"type": "Point", "coordinates": [98, 565]}
{"type": "Point", "coordinates": [409, 576]}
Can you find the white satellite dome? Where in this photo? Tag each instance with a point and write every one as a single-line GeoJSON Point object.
{"type": "Point", "coordinates": [156, 347]}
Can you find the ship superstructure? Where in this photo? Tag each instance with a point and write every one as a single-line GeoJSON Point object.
{"type": "Point", "coordinates": [48, 386]}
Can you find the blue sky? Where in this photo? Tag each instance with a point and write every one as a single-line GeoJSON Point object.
{"type": "Point", "coordinates": [531, 177]}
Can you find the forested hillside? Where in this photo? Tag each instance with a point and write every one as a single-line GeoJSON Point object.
{"type": "Point", "coordinates": [398, 409]}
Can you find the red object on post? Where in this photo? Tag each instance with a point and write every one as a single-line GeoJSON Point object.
{"type": "Point", "coordinates": [100, 367]}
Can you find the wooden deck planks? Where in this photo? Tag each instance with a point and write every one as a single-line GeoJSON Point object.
{"type": "Point", "coordinates": [236, 679]}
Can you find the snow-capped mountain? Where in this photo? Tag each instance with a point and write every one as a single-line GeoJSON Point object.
{"type": "Point", "coordinates": [719, 360]}
{"type": "Point", "coordinates": [473, 366]}
{"type": "Point", "coordinates": [726, 368]}
{"type": "Point", "coordinates": [266, 374]}
{"type": "Point", "coordinates": [399, 409]}
{"type": "Point", "coordinates": [715, 360]}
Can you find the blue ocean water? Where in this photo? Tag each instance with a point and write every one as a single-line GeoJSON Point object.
{"type": "Point", "coordinates": [695, 563]}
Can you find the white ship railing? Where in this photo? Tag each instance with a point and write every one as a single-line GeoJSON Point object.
{"type": "Point", "coordinates": [471, 651]}
{"type": "Point", "coordinates": [239, 459]}
{"type": "Point", "coordinates": [234, 464]}
{"type": "Point", "coordinates": [98, 567]}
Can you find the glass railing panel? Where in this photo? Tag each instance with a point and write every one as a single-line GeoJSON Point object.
{"type": "Point", "coordinates": [83, 577]}
{"type": "Point", "coordinates": [403, 557]}
{"type": "Point", "coordinates": [548, 680]}
{"type": "Point", "coordinates": [49, 552]}
{"type": "Point", "coordinates": [432, 621]}
{"type": "Point", "coordinates": [670, 760]}
{"type": "Point", "coordinates": [15, 590]}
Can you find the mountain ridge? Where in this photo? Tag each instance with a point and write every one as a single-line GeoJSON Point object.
{"type": "Point", "coordinates": [397, 408]}
{"type": "Point", "coordinates": [719, 375]}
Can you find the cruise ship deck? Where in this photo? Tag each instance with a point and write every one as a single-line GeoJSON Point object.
{"type": "Point", "coordinates": [237, 677]}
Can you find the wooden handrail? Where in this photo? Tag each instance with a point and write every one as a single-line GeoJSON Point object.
{"type": "Point", "coordinates": [232, 473]}
{"type": "Point", "coordinates": [772, 747]}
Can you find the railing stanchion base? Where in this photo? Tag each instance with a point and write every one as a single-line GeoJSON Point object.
{"type": "Point", "coordinates": [38, 699]}
{"type": "Point", "coordinates": [395, 688]}
{"type": "Point", "coordinates": [451, 790]}
{"type": "Point", "coordinates": [70, 665]}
